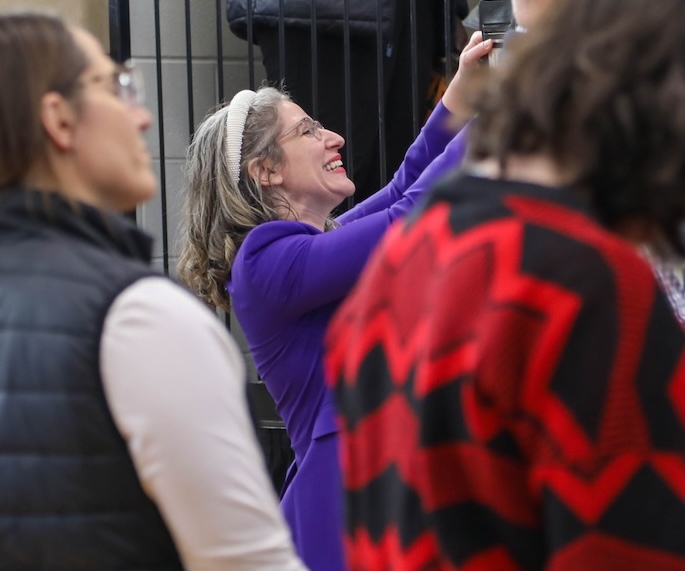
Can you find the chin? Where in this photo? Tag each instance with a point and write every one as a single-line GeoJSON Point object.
{"type": "Point", "coordinates": [150, 190]}
{"type": "Point", "coordinates": [136, 196]}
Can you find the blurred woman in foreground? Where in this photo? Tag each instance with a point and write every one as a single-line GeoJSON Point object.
{"type": "Point", "coordinates": [511, 379]}
{"type": "Point", "coordinates": [125, 440]}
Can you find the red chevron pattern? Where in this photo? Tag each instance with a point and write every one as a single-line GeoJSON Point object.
{"type": "Point", "coordinates": [512, 395]}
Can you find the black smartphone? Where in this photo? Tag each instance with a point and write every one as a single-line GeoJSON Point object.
{"type": "Point", "coordinates": [496, 20]}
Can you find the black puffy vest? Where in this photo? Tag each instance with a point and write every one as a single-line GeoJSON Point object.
{"type": "Point", "coordinates": [69, 495]}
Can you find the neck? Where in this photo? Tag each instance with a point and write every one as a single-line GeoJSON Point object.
{"type": "Point", "coordinates": [42, 176]}
{"type": "Point", "coordinates": [543, 171]}
{"type": "Point", "coordinates": [317, 221]}
{"type": "Point", "coordinates": [309, 214]}
{"type": "Point", "coordinates": [535, 169]}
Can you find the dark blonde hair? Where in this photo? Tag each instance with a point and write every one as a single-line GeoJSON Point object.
{"type": "Point", "coordinates": [598, 86]}
{"type": "Point", "coordinates": [217, 214]}
{"type": "Point", "coordinates": [39, 55]}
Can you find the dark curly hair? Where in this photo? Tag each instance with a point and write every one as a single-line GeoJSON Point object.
{"type": "Point", "coordinates": [599, 87]}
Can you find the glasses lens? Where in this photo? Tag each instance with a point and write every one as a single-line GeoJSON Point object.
{"type": "Point", "coordinates": [306, 125]}
{"type": "Point", "coordinates": [313, 127]}
{"type": "Point", "coordinates": [130, 85]}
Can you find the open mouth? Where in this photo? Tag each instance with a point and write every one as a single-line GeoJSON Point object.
{"type": "Point", "coordinates": [336, 164]}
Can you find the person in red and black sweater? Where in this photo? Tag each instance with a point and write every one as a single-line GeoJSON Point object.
{"type": "Point", "coordinates": [510, 378]}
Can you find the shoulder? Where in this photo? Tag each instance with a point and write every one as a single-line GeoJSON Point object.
{"type": "Point", "coordinates": [543, 233]}
{"type": "Point", "coordinates": [157, 304]}
{"type": "Point", "coordinates": [277, 230]}
{"type": "Point", "coordinates": [159, 293]}
{"type": "Point", "coordinates": [269, 240]}
{"type": "Point", "coordinates": [163, 299]}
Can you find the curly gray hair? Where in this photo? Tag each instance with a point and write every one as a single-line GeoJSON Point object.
{"type": "Point", "coordinates": [217, 215]}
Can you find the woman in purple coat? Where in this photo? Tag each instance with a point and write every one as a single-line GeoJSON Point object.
{"type": "Point", "coordinates": [263, 179]}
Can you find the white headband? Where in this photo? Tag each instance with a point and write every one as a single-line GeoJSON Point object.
{"type": "Point", "coordinates": [235, 125]}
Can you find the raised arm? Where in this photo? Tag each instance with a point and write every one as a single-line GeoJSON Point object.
{"type": "Point", "coordinates": [431, 142]}
{"type": "Point", "coordinates": [436, 141]}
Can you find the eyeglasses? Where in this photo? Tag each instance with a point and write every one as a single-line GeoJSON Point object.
{"type": "Point", "coordinates": [127, 84]}
{"type": "Point", "coordinates": [309, 128]}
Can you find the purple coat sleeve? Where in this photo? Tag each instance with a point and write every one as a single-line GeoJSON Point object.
{"type": "Point", "coordinates": [431, 142]}
{"type": "Point", "coordinates": [451, 158]}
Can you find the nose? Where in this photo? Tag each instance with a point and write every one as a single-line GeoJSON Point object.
{"type": "Point", "coordinates": [142, 117]}
{"type": "Point", "coordinates": [333, 140]}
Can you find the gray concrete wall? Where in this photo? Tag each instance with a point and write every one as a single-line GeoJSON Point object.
{"type": "Point", "coordinates": [91, 14]}
{"type": "Point", "coordinates": [174, 85]}
{"type": "Point", "coordinates": [175, 117]}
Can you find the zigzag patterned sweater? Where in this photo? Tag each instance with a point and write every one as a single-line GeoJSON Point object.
{"type": "Point", "coordinates": [512, 392]}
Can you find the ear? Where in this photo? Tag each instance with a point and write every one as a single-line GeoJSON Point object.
{"type": "Point", "coordinates": [265, 173]}
{"type": "Point", "coordinates": [58, 119]}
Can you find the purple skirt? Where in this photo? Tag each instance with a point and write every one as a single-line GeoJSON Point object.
{"type": "Point", "coordinates": [312, 506]}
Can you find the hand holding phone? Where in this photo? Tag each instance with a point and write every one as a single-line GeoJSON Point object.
{"type": "Point", "coordinates": [496, 20]}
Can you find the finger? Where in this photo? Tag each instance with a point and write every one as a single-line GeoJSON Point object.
{"type": "Point", "coordinates": [471, 56]}
{"type": "Point", "coordinates": [476, 38]}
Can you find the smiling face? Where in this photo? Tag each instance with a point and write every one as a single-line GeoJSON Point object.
{"type": "Point", "coordinates": [106, 146]}
{"type": "Point", "coordinates": [312, 176]}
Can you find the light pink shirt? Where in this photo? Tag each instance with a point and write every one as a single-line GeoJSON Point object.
{"type": "Point", "coordinates": [175, 383]}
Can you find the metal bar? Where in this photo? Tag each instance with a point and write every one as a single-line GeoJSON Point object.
{"type": "Point", "coordinates": [414, 68]}
{"type": "Point", "coordinates": [449, 41]}
{"type": "Point", "coordinates": [119, 30]}
{"type": "Point", "coordinates": [347, 52]}
{"type": "Point", "coordinates": [281, 38]}
{"type": "Point", "coordinates": [250, 45]}
{"type": "Point", "coordinates": [220, 51]}
{"type": "Point", "coordinates": [189, 72]}
{"type": "Point", "coordinates": [315, 62]}
{"type": "Point", "coordinates": [162, 154]}
{"type": "Point", "coordinates": [381, 91]}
